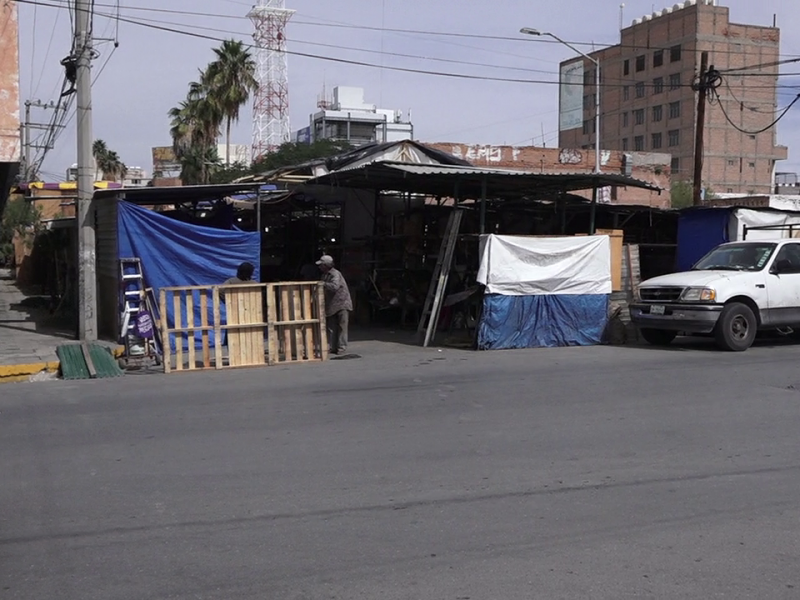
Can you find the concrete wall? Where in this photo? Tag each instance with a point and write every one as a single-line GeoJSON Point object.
{"type": "Point", "coordinates": [650, 167]}
{"type": "Point", "coordinates": [9, 83]}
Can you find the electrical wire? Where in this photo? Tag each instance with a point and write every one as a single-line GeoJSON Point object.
{"type": "Point", "coordinates": [762, 130]}
{"type": "Point", "coordinates": [46, 54]}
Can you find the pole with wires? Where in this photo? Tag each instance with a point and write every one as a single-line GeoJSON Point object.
{"type": "Point", "coordinates": [702, 94]}
{"type": "Point", "coordinates": [87, 281]}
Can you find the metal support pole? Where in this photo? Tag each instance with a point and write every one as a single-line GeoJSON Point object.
{"type": "Point", "coordinates": [87, 282]}
{"type": "Point", "coordinates": [597, 116]}
{"type": "Point", "coordinates": [593, 209]}
{"type": "Point", "coordinates": [483, 205]}
{"type": "Point", "coordinates": [697, 188]}
{"type": "Point", "coordinates": [27, 142]}
{"type": "Point", "coordinates": [258, 211]}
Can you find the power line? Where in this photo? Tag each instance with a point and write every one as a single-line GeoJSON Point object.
{"type": "Point", "coordinates": [762, 130]}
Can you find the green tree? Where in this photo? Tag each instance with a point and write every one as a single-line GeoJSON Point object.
{"type": "Point", "coordinates": [194, 129]}
{"type": "Point", "coordinates": [229, 80]}
{"type": "Point", "coordinates": [20, 217]}
{"type": "Point", "coordinates": [294, 153]}
{"type": "Point", "coordinates": [682, 194]}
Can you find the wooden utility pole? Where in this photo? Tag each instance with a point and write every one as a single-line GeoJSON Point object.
{"type": "Point", "coordinates": [702, 89]}
{"type": "Point", "coordinates": [87, 281]}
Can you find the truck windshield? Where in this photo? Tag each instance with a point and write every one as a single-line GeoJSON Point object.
{"type": "Point", "coordinates": [736, 257]}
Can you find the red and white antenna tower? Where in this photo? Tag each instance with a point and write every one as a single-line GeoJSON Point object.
{"type": "Point", "coordinates": [271, 102]}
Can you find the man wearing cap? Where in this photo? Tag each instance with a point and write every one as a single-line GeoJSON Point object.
{"type": "Point", "coordinates": [337, 304]}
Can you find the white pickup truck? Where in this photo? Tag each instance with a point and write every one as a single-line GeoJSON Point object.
{"type": "Point", "coordinates": [734, 291]}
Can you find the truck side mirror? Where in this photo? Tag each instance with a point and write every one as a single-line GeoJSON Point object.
{"type": "Point", "coordinates": [781, 266]}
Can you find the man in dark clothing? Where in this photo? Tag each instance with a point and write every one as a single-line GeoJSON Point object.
{"type": "Point", "coordinates": [337, 304]}
{"type": "Point", "coordinates": [244, 274]}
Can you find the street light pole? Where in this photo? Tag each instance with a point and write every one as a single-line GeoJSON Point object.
{"type": "Point", "coordinates": [529, 31]}
{"type": "Point", "coordinates": [593, 208]}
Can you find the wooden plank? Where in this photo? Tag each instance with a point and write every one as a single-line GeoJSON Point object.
{"type": "Point", "coordinates": [272, 329]}
{"type": "Point", "coordinates": [217, 327]}
{"type": "Point", "coordinates": [176, 306]}
{"type": "Point", "coordinates": [246, 334]}
{"type": "Point", "coordinates": [189, 333]}
{"type": "Point", "coordinates": [204, 325]}
{"type": "Point", "coordinates": [285, 316]}
{"type": "Point", "coordinates": [322, 331]}
{"type": "Point", "coordinates": [616, 238]}
{"type": "Point", "coordinates": [165, 341]}
{"type": "Point", "coordinates": [256, 333]}
{"type": "Point", "coordinates": [88, 359]}
{"type": "Point", "coordinates": [297, 306]}
{"type": "Point", "coordinates": [308, 329]}
{"type": "Point", "coordinates": [232, 298]}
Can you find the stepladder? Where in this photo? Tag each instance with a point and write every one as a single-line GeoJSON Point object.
{"type": "Point", "coordinates": [429, 320]}
{"type": "Point", "coordinates": [138, 317]}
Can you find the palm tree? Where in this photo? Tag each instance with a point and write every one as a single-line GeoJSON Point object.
{"type": "Point", "coordinates": [228, 81]}
{"type": "Point", "coordinates": [107, 162]}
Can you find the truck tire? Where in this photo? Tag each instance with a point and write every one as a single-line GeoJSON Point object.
{"type": "Point", "coordinates": [658, 337]}
{"type": "Point", "coordinates": [736, 328]}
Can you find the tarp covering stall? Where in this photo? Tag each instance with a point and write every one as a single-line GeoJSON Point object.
{"type": "Point", "coordinates": [544, 292]}
{"type": "Point", "coordinates": [181, 254]}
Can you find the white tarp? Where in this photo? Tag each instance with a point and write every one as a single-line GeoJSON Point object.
{"type": "Point", "coordinates": [760, 218]}
{"type": "Point", "coordinates": [526, 266]}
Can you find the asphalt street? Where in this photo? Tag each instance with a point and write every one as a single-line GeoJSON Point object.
{"type": "Point", "coordinates": [605, 472]}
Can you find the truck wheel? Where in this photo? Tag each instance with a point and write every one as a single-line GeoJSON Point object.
{"type": "Point", "coordinates": [658, 337]}
{"type": "Point", "coordinates": [736, 328]}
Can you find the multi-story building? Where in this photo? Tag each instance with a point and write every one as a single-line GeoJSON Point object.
{"type": "Point", "coordinates": [348, 118]}
{"type": "Point", "coordinates": [647, 102]}
{"type": "Point", "coordinates": [9, 99]}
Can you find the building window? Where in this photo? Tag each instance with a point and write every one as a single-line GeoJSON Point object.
{"type": "Point", "coordinates": [586, 103]}
{"type": "Point", "coordinates": [658, 85]}
{"type": "Point", "coordinates": [658, 113]}
{"type": "Point", "coordinates": [674, 137]}
{"type": "Point", "coordinates": [640, 89]}
{"type": "Point", "coordinates": [675, 165]}
{"type": "Point", "coordinates": [624, 143]}
{"type": "Point", "coordinates": [674, 110]}
{"type": "Point", "coordinates": [752, 137]}
{"type": "Point", "coordinates": [675, 53]}
{"type": "Point", "coordinates": [640, 62]}
{"type": "Point", "coordinates": [674, 81]}
{"type": "Point", "coordinates": [624, 119]}
{"type": "Point", "coordinates": [586, 128]}
{"type": "Point", "coordinates": [626, 92]}
{"type": "Point", "coordinates": [731, 162]}
{"type": "Point", "coordinates": [638, 116]}
{"type": "Point", "coordinates": [638, 143]}
{"type": "Point", "coordinates": [656, 141]}
{"type": "Point", "coordinates": [658, 58]}
{"type": "Point", "coordinates": [752, 165]}
{"type": "Point", "coordinates": [626, 67]}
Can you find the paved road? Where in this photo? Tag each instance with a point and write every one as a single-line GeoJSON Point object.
{"type": "Point", "coordinates": [570, 473]}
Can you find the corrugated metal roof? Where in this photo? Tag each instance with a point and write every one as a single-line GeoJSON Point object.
{"type": "Point", "coordinates": [469, 182]}
{"type": "Point", "coordinates": [75, 366]}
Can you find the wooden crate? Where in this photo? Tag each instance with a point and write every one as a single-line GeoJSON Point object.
{"type": "Point", "coordinates": [296, 317]}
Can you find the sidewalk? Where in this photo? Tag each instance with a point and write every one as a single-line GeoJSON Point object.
{"type": "Point", "coordinates": [28, 334]}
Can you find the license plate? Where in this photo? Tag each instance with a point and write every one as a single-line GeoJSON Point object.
{"type": "Point", "coordinates": [657, 309]}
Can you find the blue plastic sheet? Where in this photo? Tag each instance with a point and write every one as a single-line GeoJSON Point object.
{"type": "Point", "coordinates": [542, 321]}
{"type": "Point", "coordinates": [181, 254]}
{"type": "Point", "coordinates": [699, 231]}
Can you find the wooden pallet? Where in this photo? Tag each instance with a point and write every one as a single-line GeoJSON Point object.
{"type": "Point", "coordinates": [296, 317]}
{"type": "Point", "coordinates": [294, 330]}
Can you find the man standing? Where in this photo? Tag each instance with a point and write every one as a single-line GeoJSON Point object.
{"type": "Point", "coordinates": [337, 304]}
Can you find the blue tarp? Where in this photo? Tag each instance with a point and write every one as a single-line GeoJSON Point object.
{"type": "Point", "coordinates": [542, 321]}
{"type": "Point", "coordinates": [699, 231]}
{"type": "Point", "coordinates": [180, 254]}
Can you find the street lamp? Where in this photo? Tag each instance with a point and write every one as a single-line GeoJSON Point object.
{"type": "Point", "coordinates": [529, 31]}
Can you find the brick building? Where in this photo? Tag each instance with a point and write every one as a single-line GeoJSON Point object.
{"type": "Point", "coordinates": [647, 102]}
{"type": "Point", "coordinates": [9, 99]}
{"type": "Point", "coordinates": [650, 167]}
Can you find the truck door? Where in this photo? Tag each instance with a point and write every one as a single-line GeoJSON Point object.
{"type": "Point", "coordinates": [783, 286]}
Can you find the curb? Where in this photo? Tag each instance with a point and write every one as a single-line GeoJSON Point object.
{"type": "Point", "coordinates": [16, 373]}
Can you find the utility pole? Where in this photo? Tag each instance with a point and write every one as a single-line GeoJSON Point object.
{"type": "Point", "coordinates": [27, 170]}
{"type": "Point", "coordinates": [702, 90]}
{"type": "Point", "coordinates": [87, 282]}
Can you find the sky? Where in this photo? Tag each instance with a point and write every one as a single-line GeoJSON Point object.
{"type": "Point", "coordinates": [136, 83]}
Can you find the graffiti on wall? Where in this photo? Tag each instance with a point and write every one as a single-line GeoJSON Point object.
{"type": "Point", "coordinates": [485, 153]}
